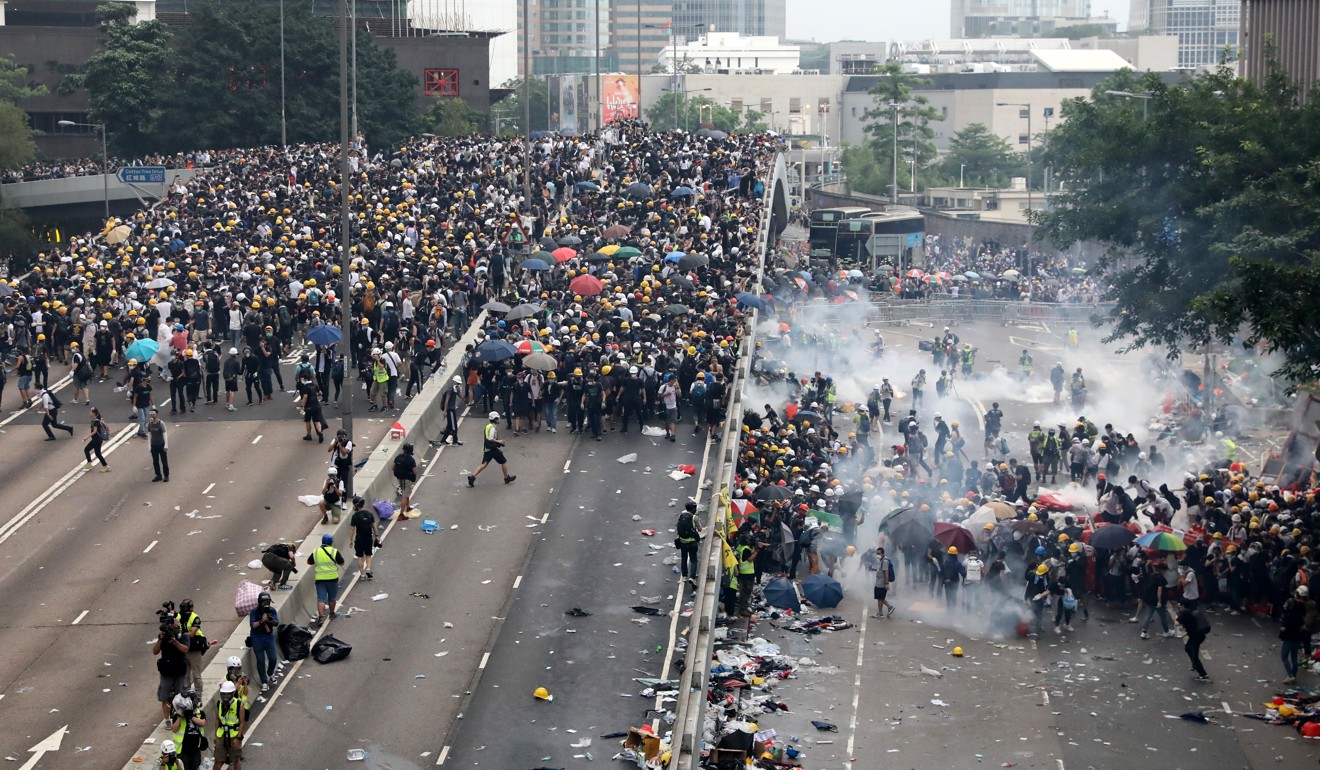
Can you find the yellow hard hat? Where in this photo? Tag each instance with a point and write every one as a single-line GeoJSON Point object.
{"type": "Point", "coordinates": [1075, 548]}
{"type": "Point", "coordinates": [541, 693]}
{"type": "Point", "coordinates": [957, 652]}
{"type": "Point", "coordinates": [1042, 569]}
{"type": "Point", "coordinates": [953, 551]}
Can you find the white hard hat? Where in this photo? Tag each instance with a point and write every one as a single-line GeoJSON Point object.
{"type": "Point", "coordinates": [234, 660]}
{"type": "Point", "coordinates": [632, 370]}
{"type": "Point", "coordinates": [458, 380]}
{"type": "Point", "coordinates": [167, 747]}
{"type": "Point", "coordinates": [233, 351]}
{"type": "Point", "coordinates": [389, 346]}
{"type": "Point", "coordinates": [227, 687]}
{"type": "Point", "coordinates": [494, 415]}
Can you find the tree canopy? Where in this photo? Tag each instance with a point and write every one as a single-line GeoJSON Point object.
{"type": "Point", "coordinates": [980, 158]}
{"type": "Point", "coordinates": [510, 109]}
{"type": "Point", "coordinates": [906, 129]}
{"type": "Point", "coordinates": [16, 149]}
{"type": "Point", "coordinates": [694, 112]}
{"type": "Point", "coordinates": [1209, 204]}
{"type": "Point", "coordinates": [450, 117]}
{"type": "Point", "coordinates": [218, 83]}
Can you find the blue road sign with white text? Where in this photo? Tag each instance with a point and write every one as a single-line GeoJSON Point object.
{"type": "Point", "coordinates": [141, 175]}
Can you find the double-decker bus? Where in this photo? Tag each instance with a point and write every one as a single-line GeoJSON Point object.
{"type": "Point", "coordinates": [895, 237]}
{"type": "Point", "coordinates": [825, 227]}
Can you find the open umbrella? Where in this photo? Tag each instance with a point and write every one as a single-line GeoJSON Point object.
{"type": "Point", "coordinates": [570, 240]}
{"type": "Point", "coordinates": [973, 275]}
{"type": "Point", "coordinates": [750, 300]}
{"type": "Point", "coordinates": [675, 256]}
{"type": "Point", "coordinates": [1160, 541]}
{"type": "Point", "coordinates": [772, 492]}
{"type": "Point", "coordinates": [781, 593]}
{"type": "Point", "coordinates": [494, 351]}
{"type": "Point", "coordinates": [549, 244]}
{"type": "Point", "coordinates": [118, 234]}
{"type": "Point", "coordinates": [676, 309]}
{"type": "Point", "coordinates": [6, 290]}
{"type": "Point", "coordinates": [525, 310]}
{"type": "Point", "coordinates": [1112, 537]}
{"type": "Point", "coordinates": [564, 253]}
{"type": "Point", "coordinates": [527, 347]}
{"type": "Point", "coordinates": [586, 285]}
{"type": "Point", "coordinates": [324, 334]}
{"type": "Point", "coordinates": [822, 591]}
{"type": "Point", "coordinates": [496, 307]}
{"type": "Point", "coordinates": [541, 361]}
{"type": "Point", "coordinates": [1002, 509]}
{"type": "Point", "coordinates": [682, 191]}
{"type": "Point", "coordinates": [741, 509]}
{"type": "Point", "coordinates": [690, 261]}
{"type": "Point", "coordinates": [159, 283]}
{"type": "Point", "coordinates": [587, 186]}
{"type": "Point", "coordinates": [683, 281]}
{"type": "Point", "coordinates": [627, 252]}
{"type": "Point", "coordinates": [610, 250]}
{"type": "Point", "coordinates": [1011, 274]}
{"type": "Point", "coordinates": [639, 190]}
{"type": "Point", "coordinates": [954, 536]}
{"type": "Point", "coordinates": [616, 231]}
{"type": "Point", "coordinates": [721, 135]}
{"type": "Point", "coordinates": [143, 349]}
{"type": "Point", "coordinates": [914, 273]}
{"type": "Point", "coordinates": [542, 254]}
{"type": "Point", "coordinates": [535, 265]}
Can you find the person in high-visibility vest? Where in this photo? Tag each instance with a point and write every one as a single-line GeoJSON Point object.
{"type": "Point", "coordinates": [229, 728]}
{"type": "Point", "coordinates": [491, 451]}
{"type": "Point", "coordinates": [380, 381]}
{"type": "Point", "coordinates": [327, 560]}
{"type": "Point", "coordinates": [746, 555]}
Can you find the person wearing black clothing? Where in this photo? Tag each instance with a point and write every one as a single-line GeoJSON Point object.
{"type": "Point", "coordinates": [192, 379]}
{"type": "Point", "coordinates": [449, 402]}
{"type": "Point", "coordinates": [178, 390]}
{"type": "Point", "coordinates": [96, 437]}
{"type": "Point", "coordinates": [630, 397]}
{"type": "Point", "coordinates": [279, 559]}
{"type": "Point", "coordinates": [1197, 626]}
{"type": "Point", "coordinates": [688, 542]}
{"type": "Point", "coordinates": [405, 476]}
{"type": "Point", "coordinates": [172, 647]}
{"type": "Point", "coordinates": [211, 365]}
{"type": "Point", "coordinates": [313, 417]}
{"type": "Point", "coordinates": [593, 403]}
{"type": "Point", "coordinates": [251, 367]}
{"type": "Point", "coordinates": [574, 390]}
{"type": "Point", "coordinates": [366, 536]}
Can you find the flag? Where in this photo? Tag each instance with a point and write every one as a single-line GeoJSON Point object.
{"type": "Point", "coordinates": [665, 29]}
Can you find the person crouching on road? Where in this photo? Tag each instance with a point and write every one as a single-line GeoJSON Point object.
{"type": "Point", "coordinates": [278, 558]}
{"type": "Point", "coordinates": [332, 492]}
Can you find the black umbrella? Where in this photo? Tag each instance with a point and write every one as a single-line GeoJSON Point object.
{"type": "Point", "coordinates": [909, 525]}
{"type": "Point", "coordinates": [689, 261]}
{"type": "Point", "coordinates": [494, 351]}
{"type": "Point", "coordinates": [772, 492]}
{"type": "Point", "coordinates": [682, 280]}
{"type": "Point", "coordinates": [570, 240]}
{"type": "Point", "coordinates": [549, 244]}
{"type": "Point", "coordinates": [544, 255]}
{"type": "Point", "coordinates": [850, 503]}
{"type": "Point", "coordinates": [524, 311]}
{"type": "Point", "coordinates": [676, 309]}
{"type": "Point", "coordinates": [496, 307]}
{"type": "Point", "coordinates": [805, 414]}
{"type": "Point", "coordinates": [1112, 537]}
{"type": "Point", "coordinates": [597, 257]}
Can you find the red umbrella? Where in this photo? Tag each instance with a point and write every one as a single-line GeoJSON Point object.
{"type": "Point", "coordinates": [563, 253]}
{"type": "Point", "coordinates": [1051, 501]}
{"type": "Point", "coordinates": [952, 535]}
{"type": "Point", "coordinates": [914, 273]}
{"type": "Point", "coordinates": [586, 285]}
{"type": "Point", "coordinates": [742, 509]}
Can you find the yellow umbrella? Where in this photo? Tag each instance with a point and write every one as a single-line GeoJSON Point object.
{"type": "Point", "coordinates": [610, 249]}
{"type": "Point", "coordinates": [118, 234]}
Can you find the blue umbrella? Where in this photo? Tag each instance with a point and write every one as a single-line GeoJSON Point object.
{"type": "Point", "coordinates": [681, 191]}
{"type": "Point", "coordinates": [586, 185]}
{"type": "Point", "coordinates": [674, 256]}
{"type": "Point", "coordinates": [806, 276]}
{"type": "Point", "coordinates": [750, 300]}
{"type": "Point", "coordinates": [534, 264]}
{"type": "Point", "coordinates": [325, 334]}
{"type": "Point", "coordinates": [781, 593]}
{"type": "Point", "coordinates": [822, 591]}
{"type": "Point", "coordinates": [639, 190]}
{"type": "Point", "coordinates": [143, 349]}
{"type": "Point", "coordinates": [494, 351]}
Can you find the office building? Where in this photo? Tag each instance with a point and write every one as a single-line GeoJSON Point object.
{"type": "Point", "coordinates": [1292, 29]}
{"type": "Point", "coordinates": [1204, 28]}
{"type": "Point", "coordinates": [982, 18]}
{"type": "Point", "coordinates": [641, 31]}
{"type": "Point", "coordinates": [745, 17]}
{"type": "Point", "coordinates": [728, 53]}
{"type": "Point", "coordinates": [568, 36]}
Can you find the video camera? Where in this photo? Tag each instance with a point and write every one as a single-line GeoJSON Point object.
{"type": "Point", "coordinates": [166, 616]}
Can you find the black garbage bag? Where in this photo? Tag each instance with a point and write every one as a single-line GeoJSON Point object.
{"type": "Point", "coordinates": [296, 641]}
{"type": "Point", "coordinates": [330, 649]}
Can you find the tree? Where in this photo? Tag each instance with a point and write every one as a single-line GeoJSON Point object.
{"type": "Point", "coordinates": [898, 114]}
{"type": "Point", "coordinates": [451, 117]}
{"type": "Point", "coordinates": [218, 84]}
{"type": "Point", "coordinates": [124, 78]}
{"type": "Point", "coordinates": [510, 108]}
{"type": "Point", "coordinates": [863, 170]}
{"type": "Point", "coordinates": [980, 158]}
{"type": "Point", "coordinates": [753, 122]}
{"type": "Point", "coordinates": [16, 150]}
{"type": "Point", "coordinates": [1208, 204]}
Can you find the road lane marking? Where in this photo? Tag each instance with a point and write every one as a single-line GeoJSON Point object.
{"type": "Point", "coordinates": [545, 517]}
{"type": "Point", "coordinates": [149, 547]}
{"type": "Point", "coordinates": [482, 665]}
{"type": "Point", "coordinates": [517, 582]}
{"type": "Point", "coordinates": [567, 464]}
{"type": "Point", "coordinates": [78, 619]}
{"type": "Point", "coordinates": [1045, 697]}
{"type": "Point", "coordinates": [1227, 709]}
{"type": "Point", "coordinates": [444, 754]}
{"type": "Point", "coordinates": [209, 487]}
{"type": "Point", "coordinates": [55, 490]}
{"type": "Point", "coordinates": [852, 726]}
{"type": "Point", "coordinates": [258, 438]}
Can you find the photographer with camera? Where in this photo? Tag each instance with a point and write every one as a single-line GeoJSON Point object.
{"type": "Point", "coordinates": [278, 558]}
{"type": "Point", "coordinates": [172, 647]}
{"type": "Point", "coordinates": [188, 730]}
{"type": "Point", "coordinates": [229, 732]}
{"type": "Point", "coordinates": [190, 624]}
{"type": "Point", "coordinates": [264, 620]}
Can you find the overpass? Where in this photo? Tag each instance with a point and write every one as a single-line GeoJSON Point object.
{"type": "Point", "coordinates": [42, 197]}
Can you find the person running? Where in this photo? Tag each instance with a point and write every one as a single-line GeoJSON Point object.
{"type": "Point", "coordinates": [491, 451]}
{"type": "Point", "coordinates": [50, 414]}
{"type": "Point", "coordinates": [1197, 627]}
{"type": "Point", "coordinates": [97, 435]}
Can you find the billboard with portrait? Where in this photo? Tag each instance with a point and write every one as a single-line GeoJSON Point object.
{"type": "Point", "coordinates": [620, 98]}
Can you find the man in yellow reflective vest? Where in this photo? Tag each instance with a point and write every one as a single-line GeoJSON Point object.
{"type": "Point", "coordinates": [746, 554]}
{"type": "Point", "coordinates": [326, 560]}
{"type": "Point", "coordinates": [229, 728]}
{"type": "Point", "coordinates": [190, 623]}
{"type": "Point", "coordinates": [492, 451]}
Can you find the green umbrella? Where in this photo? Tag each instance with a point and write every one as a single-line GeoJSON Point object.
{"type": "Point", "coordinates": [677, 309]}
{"type": "Point", "coordinates": [628, 251]}
{"type": "Point", "coordinates": [825, 517]}
{"type": "Point", "coordinates": [547, 256]}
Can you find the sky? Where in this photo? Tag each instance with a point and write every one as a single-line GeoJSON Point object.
{"type": "Point", "coordinates": [887, 20]}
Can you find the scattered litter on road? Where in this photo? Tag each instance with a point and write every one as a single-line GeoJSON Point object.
{"type": "Point", "coordinates": [379, 597]}
{"type": "Point", "coordinates": [631, 457]}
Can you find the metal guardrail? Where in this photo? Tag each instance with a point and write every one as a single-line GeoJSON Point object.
{"type": "Point", "coordinates": [690, 713]}
{"type": "Point", "coordinates": [958, 310]}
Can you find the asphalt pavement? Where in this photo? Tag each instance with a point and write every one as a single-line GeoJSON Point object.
{"type": "Point", "coordinates": [87, 557]}
{"type": "Point", "coordinates": [509, 565]}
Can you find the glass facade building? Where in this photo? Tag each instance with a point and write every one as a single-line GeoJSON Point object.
{"type": "Point", "coordinates": [980, 18]}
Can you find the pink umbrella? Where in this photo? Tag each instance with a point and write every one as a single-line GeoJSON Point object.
{"type": "Point", "coordinates": [586, 285]}
{"type": "Point", "coordinates": [563, 253]}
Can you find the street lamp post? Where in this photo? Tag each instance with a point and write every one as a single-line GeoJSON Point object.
{"type": "Point", "coordinates": [284, 129]}
{"type": "Point", "coordinates": [893, 187]}
{"type": "Point", "coordinates": [961, 167]}
{"type": "Point", "coordinates": [1026, 107]}
{"type": "Point", "coordinates": [345, 236]}
{"type": "Point", "coordinates": [105, 161]}
{"type": "Point", "coordinates": [1144, 97]}
{"type": "Point", "coordinates": [685, 93]}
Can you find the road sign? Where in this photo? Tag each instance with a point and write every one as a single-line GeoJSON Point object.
{"type": "Point", "coordinates": [515, 236]}
{"type": "Point", "coordinates": [141, 175]}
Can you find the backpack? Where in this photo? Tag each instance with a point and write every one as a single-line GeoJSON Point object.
{"type": "Point", "coordinates": [889, 569]}
{"type": "Point", "coordinates": [102, 430]}
{"type": "Point", "coordinates": [55, 402]}
{"type": "Point", "coordinates": [698, 391]}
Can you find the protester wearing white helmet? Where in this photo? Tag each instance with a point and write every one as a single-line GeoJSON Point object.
{"type": "Point", "coordinates": [231, 719]}
{"type": "Point", "coordinates": [492, 451]}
